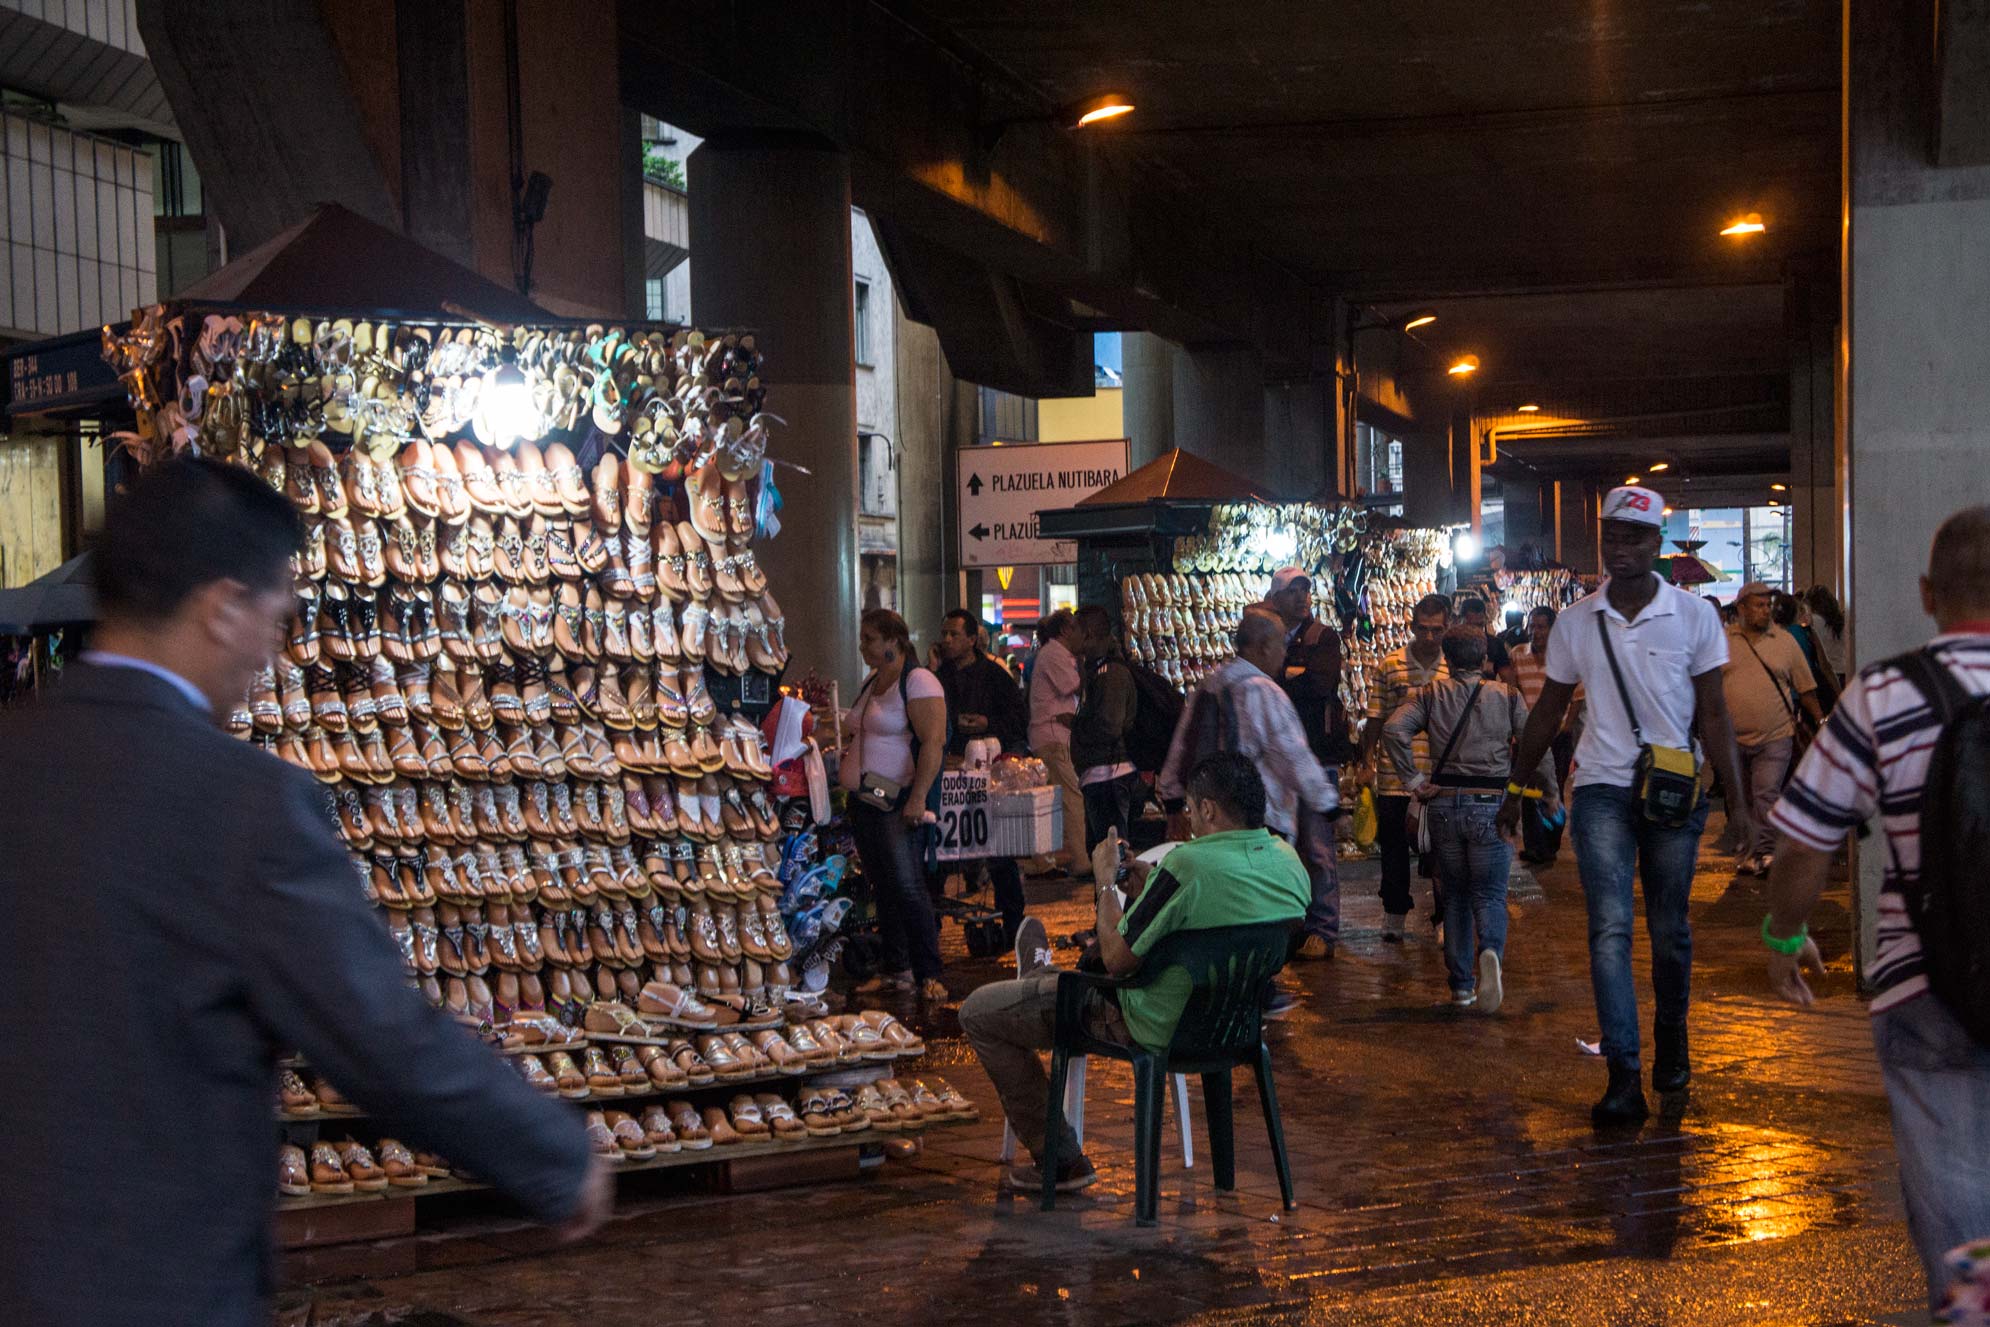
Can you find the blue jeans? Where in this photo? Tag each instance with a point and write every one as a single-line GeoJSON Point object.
{"type": "Point", "coordinates": [1472, 866]}
{"type": "Point", "coordinates": [890, 856]}
{"type": "Point", "coordinates": [1938, 1086]}
{"type": "Point", "coordinates": [1612, 845]}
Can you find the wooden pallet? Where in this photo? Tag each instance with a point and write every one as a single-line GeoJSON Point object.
{"type": "Point", "coordinates": [742, 1168]}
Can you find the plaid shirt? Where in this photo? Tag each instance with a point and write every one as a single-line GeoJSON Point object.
{"type": "Point", "coordinates": [1267, 729]}
{"type": "Point", "coordinates": [1396, 679]}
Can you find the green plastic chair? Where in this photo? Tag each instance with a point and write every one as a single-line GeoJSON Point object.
{"type": "Point", "coordinates": [1221, 1029]}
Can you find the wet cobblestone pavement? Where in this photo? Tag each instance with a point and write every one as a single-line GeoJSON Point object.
{"type": "Point", "coordinates": [1446, 1173]}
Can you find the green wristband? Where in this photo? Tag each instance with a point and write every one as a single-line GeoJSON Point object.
{"type": "Point", "coordinates": [1788, 946]}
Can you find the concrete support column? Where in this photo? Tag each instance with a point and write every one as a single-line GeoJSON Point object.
{"type": "Point", "coordinates": [1427, 479]}
{"type": "Point", "coordinates": [1299, 437]}
{"type": "Point", "coordinates": [1220, 408]}
{"type": "Point", "coordinates": [1525, 523]}
{"type": "Point", "coordinates": [1148, 401]}
{"type": "Point", "coordinates": [1816, 495]}
{"type": "Point", "coordinates": [1580, 531]}
{"type": "Point", "coordinates": [770, 224]}
{"type": "Point", "coordinates": [1916, 403]}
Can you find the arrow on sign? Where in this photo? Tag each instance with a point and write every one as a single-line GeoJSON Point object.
{"type": "Point", "coordinates": [974, 485]}
{"type": "Point", "coordinates": [979, 531]}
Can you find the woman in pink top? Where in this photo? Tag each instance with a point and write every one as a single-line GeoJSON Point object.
{"type": "Point", "coordinates": [898, 729]}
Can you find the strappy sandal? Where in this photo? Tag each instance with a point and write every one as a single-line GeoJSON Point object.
{"type": "Point", "coordinates": [817, 1117]}
{"type": "Point", "coordinates": [678, 1006]}
{"type": "Point", "coordinates": [691, 1064]}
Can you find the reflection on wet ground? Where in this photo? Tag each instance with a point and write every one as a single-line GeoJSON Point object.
{"type": "Point", "coordinates": [1446, 1173]}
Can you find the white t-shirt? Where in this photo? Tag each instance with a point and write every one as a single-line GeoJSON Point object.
{"type": "Point", "coordinates": [1675, 638]}
{"type": "Point", "coordinates": [882, 728]}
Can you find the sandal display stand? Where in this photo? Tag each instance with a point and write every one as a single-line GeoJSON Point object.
{"type": "Point", "coordinates": [531, 647]}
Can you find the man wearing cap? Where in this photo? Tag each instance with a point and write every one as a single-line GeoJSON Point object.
{"type": "Point", "coordinates": [1768, 683]}
{"type": "Point", "coordinates": [1668, 649]}
{"type": "Point", "coordinates": [1312, 676]}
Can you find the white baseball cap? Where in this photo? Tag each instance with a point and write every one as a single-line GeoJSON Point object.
{"type": "Point", "coordinates": [1285, 576]}
{"type": "Point", "coordinates": [1640, 506]}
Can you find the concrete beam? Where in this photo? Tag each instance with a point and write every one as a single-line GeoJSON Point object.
{"type": "Point", "coordinates": [987, 329]}
{"type": "Point", "coordinates": [1043, 206]}
{"type": "Point", "coordinates": [273, 137]}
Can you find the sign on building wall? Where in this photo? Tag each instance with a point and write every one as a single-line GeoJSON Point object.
{"type": "Point", "coordinates": [1001, 489]}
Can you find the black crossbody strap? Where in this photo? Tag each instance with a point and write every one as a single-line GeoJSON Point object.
{"type": "Point", "coordinates": [1937, 685]}
{"type": "Point", "coordinates": [1459, 730]}
{"type": "Point", "coordinates": [1623, 692]}
{"type": "Point", "coordinates": [1774, 681]}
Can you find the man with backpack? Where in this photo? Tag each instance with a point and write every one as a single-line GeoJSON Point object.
{"type": "Point", "coordinates": [1909, 741]}
{"type": "Point", "coordinates": [1107, 699]}
{"type": "Point", "coordinates": [1312, 679]}
{"type": "Point", "coordinates": [1242, 709]}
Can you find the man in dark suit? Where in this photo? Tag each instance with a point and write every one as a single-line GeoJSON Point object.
{"type": "Point", "coordinates": [186, 911]}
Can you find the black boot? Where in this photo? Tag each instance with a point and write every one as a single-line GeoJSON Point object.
{"type": "Point", "coordinates": [1670, 1070]}
{"type": "Point", "coordinates": [1623, 1102]}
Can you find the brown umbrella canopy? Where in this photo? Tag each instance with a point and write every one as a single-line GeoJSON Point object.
{"type": "Point", "coordinates": [338, 261]}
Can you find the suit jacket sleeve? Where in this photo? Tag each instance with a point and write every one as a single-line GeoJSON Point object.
{"type": "Point", "coordinates": [324, 976]}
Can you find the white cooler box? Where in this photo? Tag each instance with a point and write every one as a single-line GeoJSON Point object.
{"type": "Point", "coordinates": [1025, 824]}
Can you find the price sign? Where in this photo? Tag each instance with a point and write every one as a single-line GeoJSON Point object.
{"type": "Point", "coordinates": [963, 815]}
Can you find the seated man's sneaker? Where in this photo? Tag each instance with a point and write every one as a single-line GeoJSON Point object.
{"type": "Point", "coordinates": [1033, 953]}
{"type": "Point", "coordinates": [1071, 1176]}
{"type": "Point", "coordinates": [1280, 1003]}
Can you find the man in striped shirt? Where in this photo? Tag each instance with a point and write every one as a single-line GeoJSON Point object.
{"type": "Point", "coordinates": [1527, 673]}
{"type": "Point", "coordinates": [1398, 677]}
{"type": "Point", "coordinates": [1872, 758]}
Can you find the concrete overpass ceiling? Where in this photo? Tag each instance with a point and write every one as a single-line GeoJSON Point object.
{"type": "Point", "coordinates": [1530, 341]}
{"type": "Point", "coordinates": [1550, 176]}
{"type": "Point", "coordinates": [1450, 145]}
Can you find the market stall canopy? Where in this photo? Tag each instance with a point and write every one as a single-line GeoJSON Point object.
{"type": "Point", "coordinates": [1178, 476]}
{"type": "Point", "coordinates": [337, 261]}
{"type": "Point", "coordinates": [64, 596]}
{"type": "Point", "coordinates": [1687, 567]}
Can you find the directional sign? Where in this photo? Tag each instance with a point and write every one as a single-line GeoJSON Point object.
{"type": "Point", "coordinates": [1003, 488]}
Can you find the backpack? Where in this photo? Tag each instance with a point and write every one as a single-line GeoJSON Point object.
{"type": "Point", "coordinates": [1157, 709]}
{"type": "Point", "coordinates": [1212, 728]}
{"type": "Point", "coordinates": [1949, 903]}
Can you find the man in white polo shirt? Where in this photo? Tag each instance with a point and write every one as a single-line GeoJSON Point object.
{"type": "Point", "coordinates": [1668, 647]}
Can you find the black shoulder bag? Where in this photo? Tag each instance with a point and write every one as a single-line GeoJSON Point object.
{"type": "Point", "coordinates": [1666, 781]}
{"type": "Point", "coordinates": [1426, 859]}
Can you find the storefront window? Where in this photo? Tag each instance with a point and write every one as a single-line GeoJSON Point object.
{"type": "Point", "coordinates": [1748, 543]}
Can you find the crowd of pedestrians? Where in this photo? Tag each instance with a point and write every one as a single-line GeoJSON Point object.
{"type": "Point", "coordinates": [1617, 717]}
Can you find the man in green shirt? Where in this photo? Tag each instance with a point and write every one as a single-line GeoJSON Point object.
{"type": "Point", "coordinates": [1232, 872]}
